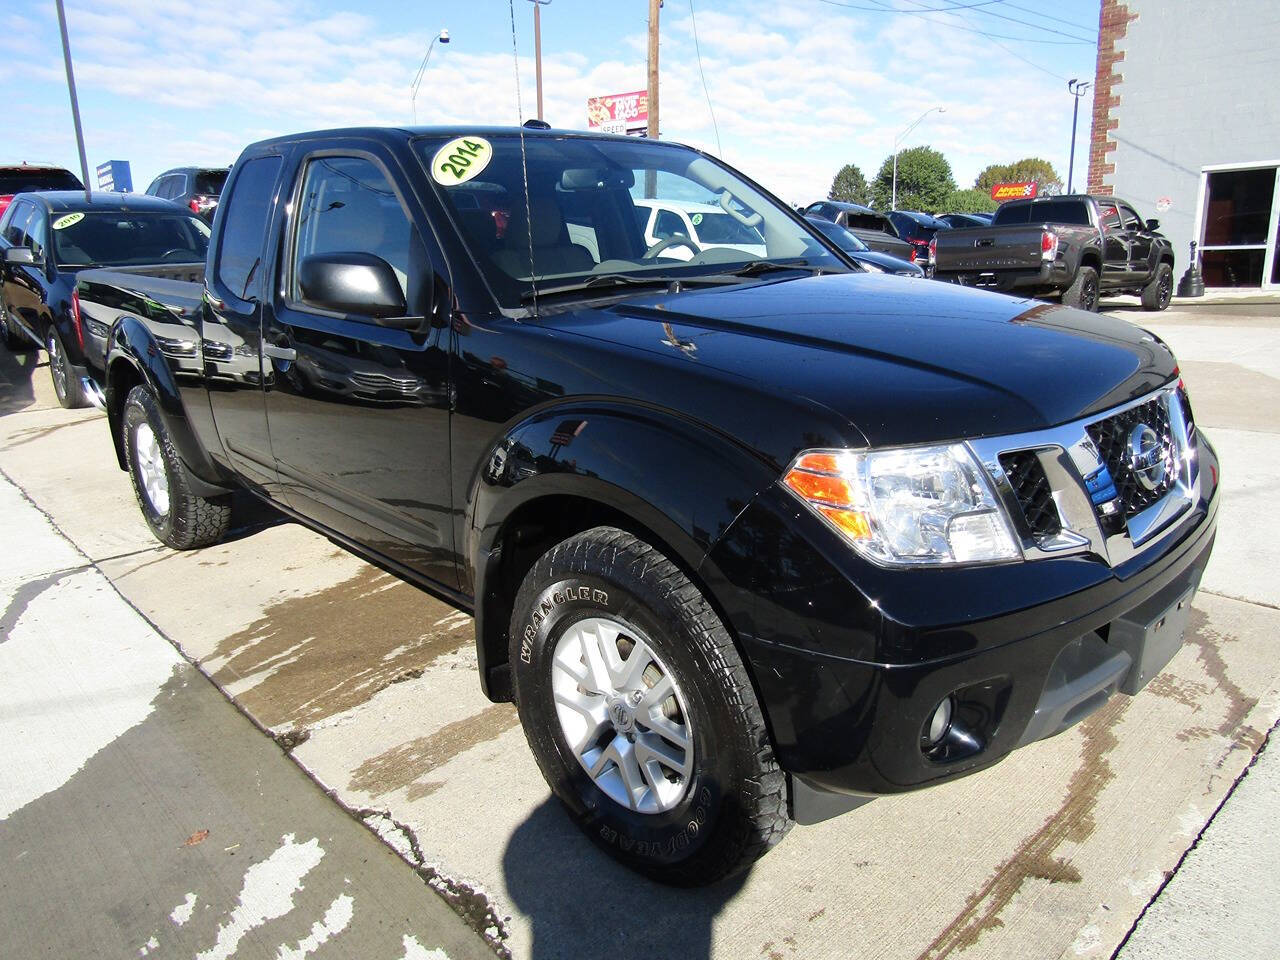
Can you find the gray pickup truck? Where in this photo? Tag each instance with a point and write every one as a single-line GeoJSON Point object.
{"type": "Point", "coordinates": [1077, 246]}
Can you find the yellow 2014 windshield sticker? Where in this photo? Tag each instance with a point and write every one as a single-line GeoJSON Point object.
{"type": "Point", "coordinates": [461, 159]}
{"type": "Point", "coordinates": [63, 222]}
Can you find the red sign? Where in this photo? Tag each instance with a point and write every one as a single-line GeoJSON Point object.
{"type": "Point", "coordinates": [1014, 191]}
{"type": "Point", "coordinates": [618, 112]}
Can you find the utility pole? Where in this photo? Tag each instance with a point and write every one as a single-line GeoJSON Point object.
{"type": "Point", "coordinates": [1077, 90]}
{"type": "Point", "coordinates": [75, 104]}
{"type": "Point", "coordinates": [537, 46]}
{"type": "Point", "coordinates": [651, 177]}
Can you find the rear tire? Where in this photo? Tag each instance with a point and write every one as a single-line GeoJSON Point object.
{"type": "Point", "coordinates": [12, 336]}
{"type": "Point", "coordinates": [1083, 292]}
{"type": "Point", "coordinates": [600, 621]}
{"type": "Point", "coordinates": [66, 385]}
{"type": "Point", "coordinates": [1157, 294]}
{"type": "Point", "coordinates": [176, 516]}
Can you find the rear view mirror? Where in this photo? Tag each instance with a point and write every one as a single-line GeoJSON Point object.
{"type": "Point", "coordinates": [21, 256]}
{"type": "Point", "coordinates": [1153, 225]}
{"type": "Point", "coordinates": [359, 283]}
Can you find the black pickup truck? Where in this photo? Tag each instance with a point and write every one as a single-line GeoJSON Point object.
{"type": "Point", "coordinates": [1080, 247]}
{"type": "Point", "coordinates": [748, 540]}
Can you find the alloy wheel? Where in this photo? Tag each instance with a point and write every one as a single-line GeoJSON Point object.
{"type": "Point", "coordinates": [57, 366]}
{"type": "Point", "coordinates": [622, 715]}
{"type": "Point", "coordinates": [152, 475]}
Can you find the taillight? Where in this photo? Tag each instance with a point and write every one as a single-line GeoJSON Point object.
{"type": "Point", "coordinates": [5, 200]}
{"type": "Point", "coordinates": [933, 249]}
{"type": "Point", "coordinates": [202, 204]}
{"type": "Point", "coordinates": [1048, 245]}
{"type": "Point", "coordinates": [76, 322]}
{"type": "Point", "coordinates": [913, 255]}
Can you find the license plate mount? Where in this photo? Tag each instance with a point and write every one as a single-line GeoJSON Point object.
{"type": "Point", "coordinates": [1152, 643]}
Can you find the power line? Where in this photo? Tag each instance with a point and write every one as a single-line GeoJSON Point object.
{"type": "Point", "coordinates": [951, 26]}
{"type": "Point", "coordinates": [948, 11]}
{"type": "Point", "coordinates": [715, 126]}
{"type": "Point", "coordinates": [1070, 23]}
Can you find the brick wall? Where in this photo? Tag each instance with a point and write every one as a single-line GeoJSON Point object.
{"type": "Point", "coordinates": [1113, 25]}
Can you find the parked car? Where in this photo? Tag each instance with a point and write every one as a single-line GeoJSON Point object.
{"type": "Point", "coordinates": [18, 178]}
{"type": "Point", "coordinates": [196, 188]}
{"type": "Point", "coordinates": [46, 239]}
{"type": "Point", "coordinates": [747, 539]}
{"type": "Point", "coordinates": [705, 224]}
{"type": "Point", "coordinates": [872, 228]}
{"type": "Point", "coordinates": [966, 219]}
{"type": "Point", "coordinates": [860, 252]}
{"type": "Point", "coordinates": [917, 229]}
{"type": "Point", "coordinates": [1079, 247]}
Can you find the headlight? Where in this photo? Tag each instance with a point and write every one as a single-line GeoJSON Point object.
{"type": "Point", "coordinates": [870, 267]}
{"type": "Point", "coordinates": [915, 505]}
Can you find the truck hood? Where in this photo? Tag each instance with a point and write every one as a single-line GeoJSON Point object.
{"type": "Point", "coordinates": [903, 361]}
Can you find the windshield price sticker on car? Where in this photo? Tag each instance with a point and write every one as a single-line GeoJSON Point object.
{"type": "Point", "coordinates": [63, 222]}
{"type": "Point", "coordinates": [696, 218]}
{"type": "Point", "coordinates": [461, 159]}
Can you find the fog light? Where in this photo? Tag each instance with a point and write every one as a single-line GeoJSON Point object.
{"type": "Point", "coordinates": [940, 722]}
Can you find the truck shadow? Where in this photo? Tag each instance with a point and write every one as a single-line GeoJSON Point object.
{"type": "Point", "coordinates": [582, 903]}
{"type": "Point", "coordinates": [17, 392]}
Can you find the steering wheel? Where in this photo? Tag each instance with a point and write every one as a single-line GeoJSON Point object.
{"type": "Point", "coordinates": [176, 251]}
{"type": "Point", "coordinates": [672, 241]}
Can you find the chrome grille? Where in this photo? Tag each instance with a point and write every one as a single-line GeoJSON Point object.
{"type": "Point", "coordinates": [1033, 492]}
{"type": "Point", "coordinates": [1112, 438]}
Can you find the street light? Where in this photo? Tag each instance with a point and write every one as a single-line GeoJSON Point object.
{"type": "Point", "coordinates": [1077, 91]}
{"type": "Point", "coordinates": [443, 37]}
{"type": "Point", "coordinates": [893, 201]}
{"type": "Point", "coordinates": [537, 46]}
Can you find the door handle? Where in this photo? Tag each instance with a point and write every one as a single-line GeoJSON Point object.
{"type": "Point", "coordinates": [280, 353]}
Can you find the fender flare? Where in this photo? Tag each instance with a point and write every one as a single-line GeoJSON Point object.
{"type": "Point", "coordinates": [131, 343]}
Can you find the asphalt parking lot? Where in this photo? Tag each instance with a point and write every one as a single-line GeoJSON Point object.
{"type": "Point", "coordinates": [369, 685]}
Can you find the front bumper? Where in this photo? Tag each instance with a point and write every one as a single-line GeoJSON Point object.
{"type": "Point", "coordinates": [850, 675]}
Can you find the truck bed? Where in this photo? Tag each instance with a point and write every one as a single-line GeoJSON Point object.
{"type": "Point", "coordinates": [162, 293]}
{"type": "Point", "coordinates": [983, 249]}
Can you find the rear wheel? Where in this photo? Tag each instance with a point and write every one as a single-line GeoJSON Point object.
{"type": "Point", "coordinates": [1157, 294]}
{"type": "Point", "coordinates": [65, 382]}
{"type": "Point", "coordinates": [176, 516]}
{"type": "Point", "coordinates": [1083, 292]}
{"type": "Point", "coordinates": [640, 713]}
{"type": "Point", "coordinates": [10, 334]}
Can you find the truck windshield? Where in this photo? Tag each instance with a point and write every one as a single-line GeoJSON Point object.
{"type": "Point", "coordinates": [583, 216]}
{"type": "Point", "coordinates": [117, 238]}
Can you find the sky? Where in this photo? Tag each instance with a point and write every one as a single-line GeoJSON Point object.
{"type": "Point", "coordinates": [797, 88]}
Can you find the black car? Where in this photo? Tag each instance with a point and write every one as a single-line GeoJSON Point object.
{"type": "Point", "coordinates": [46, 239]}
{"type": "Point", "coordinates": [847, 241]}
{"type": "Point", "coordinates": [196, 188]}
{"type": "Point", "coordinates": [18, 178]}
{"type": "Point", "coordinates": [966, 219]}
{"type": "Point", "coordinates": [872, 228]}
{"type": "Point", "coordinates": [917, 229]}
{"type": "Point", "coordinates": [749, 536]}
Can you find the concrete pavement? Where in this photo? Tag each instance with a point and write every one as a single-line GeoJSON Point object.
{"type": "Point", "coordinates": [1055, 852]}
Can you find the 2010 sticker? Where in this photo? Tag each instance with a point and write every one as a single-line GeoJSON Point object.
{"type": "Point", "coordinates": [460, 160]}
{"type": "Point", "coordinates": [69, 220]}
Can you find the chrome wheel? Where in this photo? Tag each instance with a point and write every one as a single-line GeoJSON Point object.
{"type": "Point", "coordinates": [57, 365]}
{"type": "Point", "coordinates": [622, 715]}
{"type": "Point", "coordinates": [152, 475]}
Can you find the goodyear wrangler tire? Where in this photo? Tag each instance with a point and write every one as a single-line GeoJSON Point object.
{"type": "Point", "coordinates": [640, 712]}
{"type": "Point", "coordinates": [176, 516]}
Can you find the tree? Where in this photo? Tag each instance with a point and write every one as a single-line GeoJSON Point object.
{"type": "Point", "coordinates": [849, 186]}
{"type": "Point", "coordinates": [1020, 171]}
{"type": "Point", "coordinates": [972, 200]}
{"type": "Point", "coordinates": [924, 181]}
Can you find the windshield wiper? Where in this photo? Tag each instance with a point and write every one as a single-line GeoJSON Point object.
{"type": "Point", "coordinates": [600, 280]}
{"type": "Point", "coordinates": [757, 267]}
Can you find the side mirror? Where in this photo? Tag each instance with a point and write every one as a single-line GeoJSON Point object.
{"type": "Point", "coordinates": [359, 283]}
{"type": "Point", "coordinates": [1153, 225]}
{"type": "Point", "coordinates": [22, 256]}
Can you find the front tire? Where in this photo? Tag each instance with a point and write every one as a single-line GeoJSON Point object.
{"type": "Point", "coordinates": [66, 385]}
{"type": "Point", "coordinates": [1157, 294]}
{"type": "Point", "coordinates": [640, 712]}
{"type": "Point", "coordinates": [1083, 292]}
{"type": "Point", "coordinates": [176, 516]}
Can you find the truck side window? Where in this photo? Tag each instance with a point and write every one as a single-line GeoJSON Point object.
{"type": "Point", "coordinates": [248, 210]}
{"type": "Point", "coordinates": [347, 205]}
{"type": "Point", "coordinates": [1110, 217]}
{"type": "Point", "coordinates": [1131, 220]}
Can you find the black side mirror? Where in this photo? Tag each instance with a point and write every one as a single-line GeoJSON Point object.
{"type": "Point", "coordinates": [359, 283]}
{"type": "Point", "coordinates": [1153, 225]}
{"type": "Point", "coordinates": [22, 256]}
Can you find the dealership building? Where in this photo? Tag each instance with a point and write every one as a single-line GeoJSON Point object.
{"type": "Point", "coordinates": [1186, 126]}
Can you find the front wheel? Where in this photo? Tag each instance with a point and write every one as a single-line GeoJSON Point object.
{"type": "Point", "coordinates": [1157, 294]}
{"type": "Point", "coordinates": [66, 385]}
{"type": "Point", "coordinates": [640, 713]}
{"type": "Point", "coordinates": [176, 516]}
{"type": "Point", "coordinates": [1083, 292]}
